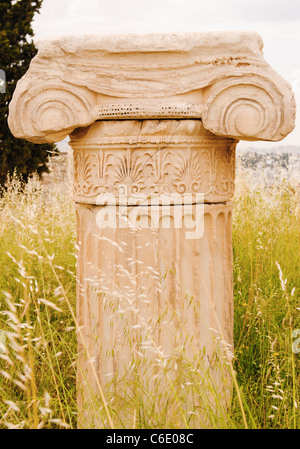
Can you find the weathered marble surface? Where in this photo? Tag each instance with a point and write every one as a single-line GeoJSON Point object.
{"type": "Point", "coordinates": [219, 77]}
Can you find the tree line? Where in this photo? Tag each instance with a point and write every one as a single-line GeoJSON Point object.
{"type": "Point", "coordinates": [16, 51]}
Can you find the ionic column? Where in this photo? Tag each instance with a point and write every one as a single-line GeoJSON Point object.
{"type": "Point", "coordinates": [154, 121]}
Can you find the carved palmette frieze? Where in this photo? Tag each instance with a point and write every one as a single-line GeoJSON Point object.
{"type": "Point", "coordinates": [198, 163]}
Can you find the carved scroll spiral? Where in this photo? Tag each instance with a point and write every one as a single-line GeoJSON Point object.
{"type": "Point", "coordinates": [249, 108]}
{"type": "Point", "coordinates": [49, 111]}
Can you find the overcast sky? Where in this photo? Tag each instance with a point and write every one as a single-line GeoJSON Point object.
{"type": "Point", "coordinates": [277, 21]}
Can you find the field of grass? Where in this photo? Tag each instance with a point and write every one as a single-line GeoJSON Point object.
{"type": "Point", "coordinates": [38, 348]}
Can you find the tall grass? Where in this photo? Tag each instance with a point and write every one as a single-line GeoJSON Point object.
{"type": "Point", "coordinates": [38, 340]}
{"type": "Point", "coordinates": [38, 363]}
{"type": "Point", "coordinates": [266, 244]}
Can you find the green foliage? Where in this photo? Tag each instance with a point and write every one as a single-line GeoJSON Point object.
{"type": "Point", "coordinates": [16, 52]}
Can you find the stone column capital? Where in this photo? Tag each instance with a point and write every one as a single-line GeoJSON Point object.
{"type": "Point", "coordinates": [218, 77]}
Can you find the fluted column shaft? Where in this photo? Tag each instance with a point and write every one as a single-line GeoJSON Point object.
{"type": "Point", "coordinates": [156, 289]}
